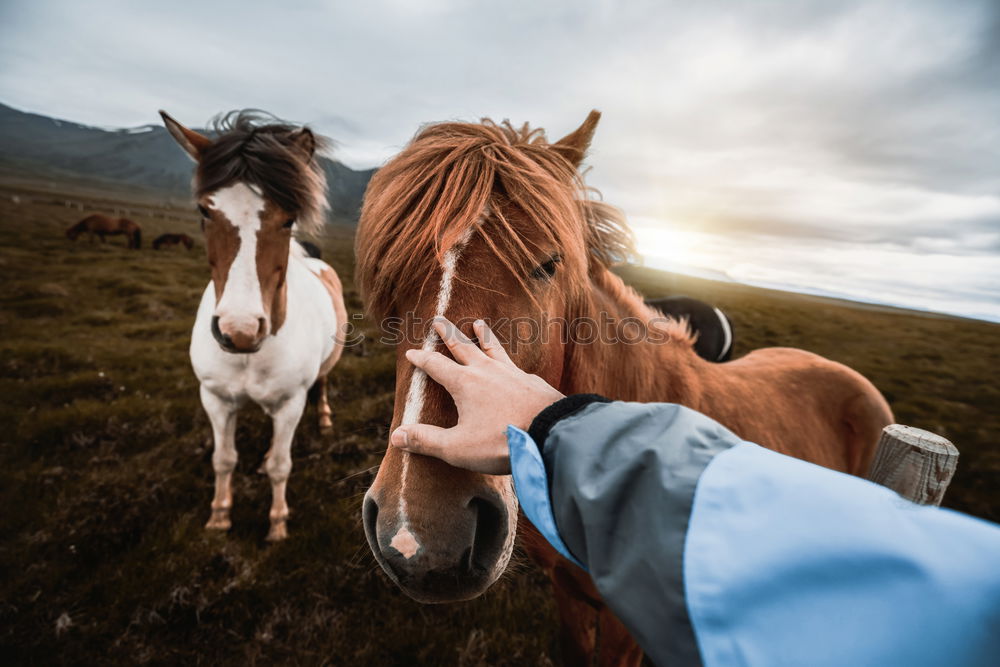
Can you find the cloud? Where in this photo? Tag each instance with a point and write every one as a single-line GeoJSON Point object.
{"type": "Point", "coordinates": [840, 120]}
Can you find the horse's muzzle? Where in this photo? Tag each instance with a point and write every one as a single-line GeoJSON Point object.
{"type": "Point", "coordinates": [443, 565]}
{"type": "Point", "coordinates": [238, 343]}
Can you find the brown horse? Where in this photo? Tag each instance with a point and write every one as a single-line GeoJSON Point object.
{"type": "Point", "coordinates": [173, 239]}
{"type": "Point", "coordinates": [492, 221]}
{"type": "Point", "coordinates": [104, 225]}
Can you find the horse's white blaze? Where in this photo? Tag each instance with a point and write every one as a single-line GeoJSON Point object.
{"type": "Point", "coordinates": [727, 333]}
{"type": "Point", "coordinates": [241, 304]}
{"type": "Point", "coordinates": [418, 381]}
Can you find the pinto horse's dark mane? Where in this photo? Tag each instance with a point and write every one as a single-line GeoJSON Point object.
{"type": "Point", "coordinates": [438, 188]}
{"type": "Point", "coordinates": [257, 148]}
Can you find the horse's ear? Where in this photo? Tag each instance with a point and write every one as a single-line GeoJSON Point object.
{"type": "Point", "coordinates": [305, 141]}
{"type": "Point", "coordinates": [574, 145]}
{"type": "Point", "coordinates": [192, 142]}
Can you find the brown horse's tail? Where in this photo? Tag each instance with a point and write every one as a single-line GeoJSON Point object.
{"type": "Point", "coordinates": [137, 237]}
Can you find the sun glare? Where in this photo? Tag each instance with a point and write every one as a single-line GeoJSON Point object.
{"type": "Point", "coordinates": [671, 248]}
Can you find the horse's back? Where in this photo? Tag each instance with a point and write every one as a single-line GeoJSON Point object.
{"type": "Point", "coordinates": [95, 222]}
{"type": "Point", "coordinates": [172, 239]}
{"type": "Point", "coordinates": [335, 292]}
{"type": "Point", "coordinates": [824, 411]}
{"type": "Point", "coordinates": [99, 222]}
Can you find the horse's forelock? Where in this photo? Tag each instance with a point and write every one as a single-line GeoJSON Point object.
{"type": "Point", "coordinates": [260, 150]}
{"type": "Point", "coordinates": [437, 189]}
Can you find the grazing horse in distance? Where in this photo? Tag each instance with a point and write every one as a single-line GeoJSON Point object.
{"type": "Point", "coordinates": [104, 225]}
{"type": "Point", "coordinates": [491, 221]}
{"type": "Point", "coordinates": [173, 239]}
{"type": "Point", "coordinates": [712, 329]}
{"type": "Point", "coordinates": [272, 320]}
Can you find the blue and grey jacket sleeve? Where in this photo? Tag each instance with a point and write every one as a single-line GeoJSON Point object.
{"type": "Point", "coordinates": [716, 551]}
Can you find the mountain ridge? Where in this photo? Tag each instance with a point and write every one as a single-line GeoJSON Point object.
{"type": "Point", "coordinates": [143, 157]}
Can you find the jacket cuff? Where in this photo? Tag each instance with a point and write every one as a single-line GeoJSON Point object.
{"type": "Point", "coordinates": [564, 407]}
{"type": "Point", "coordinates": [531, 485]}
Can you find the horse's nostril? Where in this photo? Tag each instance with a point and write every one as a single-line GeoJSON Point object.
{"type": "Point", "coordinates": [491, 533]}
{"type": "Point", "coordinates": [261, 326]}
{"type": "Point", "coordinates": [220, 338]}
{"type": "Point", "coordinates": [369, 517]}
{"type": "Point", "coordinates": [465, 563]}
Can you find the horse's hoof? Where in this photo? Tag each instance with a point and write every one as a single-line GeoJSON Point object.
{"type": "Point", "coordinates": [278, 532]}
{"type": "Point", "coordinates": [218, 523]}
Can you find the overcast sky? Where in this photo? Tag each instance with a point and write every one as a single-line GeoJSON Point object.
{"type": "Point", "coordinates": [860, 121]}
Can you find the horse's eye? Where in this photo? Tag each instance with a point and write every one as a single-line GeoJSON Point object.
{"type": "Point", "coordinates": [546, 269]}
{"type": "Point", "coordinates": [288, 224]}
{"type": "Point", "coordinates": [204, 211]}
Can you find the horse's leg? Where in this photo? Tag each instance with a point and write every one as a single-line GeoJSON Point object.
{"type": "Point", "coordinates": [325, 420]}
{"type": "Point", "coordinates": [222, 414]}
{"type": "Point", "coordinates": [577, 624]}
{"type": "Point", "coordinates": [590, 633]}
{"type": "Point", "coordinates": [279, 461]}
{"type": "Point", "coordinates": [615, 644]}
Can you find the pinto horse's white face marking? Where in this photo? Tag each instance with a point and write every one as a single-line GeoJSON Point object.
{"type": "Point", "coordinates": [240, 308]}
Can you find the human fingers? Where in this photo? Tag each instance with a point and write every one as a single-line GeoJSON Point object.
{"type": "Point", "coordinates": [490, 455]}
{"type": "Point", "coordinates": [423, 439]}
{"type": "Point", "coordinates": [463, 349]}
{"type": "Point", "coordinates": [489, 342]}
{"type": "Point", "coordinates": [443, 370]}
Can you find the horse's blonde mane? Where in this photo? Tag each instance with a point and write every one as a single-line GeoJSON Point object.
{"type": "Point", "coordinates": [427, 198]}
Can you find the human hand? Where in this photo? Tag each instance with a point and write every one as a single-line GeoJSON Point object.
{"type": "Point", "coordinates": [489, 391]}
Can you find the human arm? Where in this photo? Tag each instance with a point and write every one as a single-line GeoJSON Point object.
{"type": "Point", "coordinates": [711, 549]}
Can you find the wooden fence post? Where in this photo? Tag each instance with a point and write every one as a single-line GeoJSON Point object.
{"type": "Point", "coordinates": [914, 463]}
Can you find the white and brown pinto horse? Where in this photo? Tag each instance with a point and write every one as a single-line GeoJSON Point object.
{"type": "Point", "coordinates": [487, 220]}
{"type": "Point", "coordinates": [270, 321]}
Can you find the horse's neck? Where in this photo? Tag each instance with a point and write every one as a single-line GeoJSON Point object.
{"type": "Point", "coordinates": [294, 293]}
{"type": "Point", "coordinates": [659, 367]}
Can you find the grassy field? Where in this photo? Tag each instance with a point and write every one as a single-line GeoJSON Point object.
{"type": "Point", "coordinates": [105, 473]}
